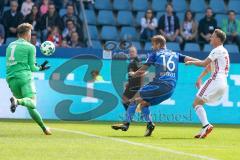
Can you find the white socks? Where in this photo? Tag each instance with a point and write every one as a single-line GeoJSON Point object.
{"type": "Point", "coordinates": [201, 113]}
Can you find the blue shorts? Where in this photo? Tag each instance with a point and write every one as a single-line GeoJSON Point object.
{"type": "Point", "coordinates": [156, 93]}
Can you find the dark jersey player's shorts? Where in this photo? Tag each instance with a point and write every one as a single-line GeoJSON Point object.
{"type": "Point", "coordinates": [134, 84]}
{"type": "Point", "coordinates": [155, 93]}
{"type": "Point", "coordinates": [130, 91]}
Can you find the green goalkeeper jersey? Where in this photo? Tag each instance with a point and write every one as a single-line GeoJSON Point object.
{"type": "Point", "coordinates": [21, 59]}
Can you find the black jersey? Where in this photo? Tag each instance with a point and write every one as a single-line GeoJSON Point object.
{"type": "Point", "coordinates": [133, 66]}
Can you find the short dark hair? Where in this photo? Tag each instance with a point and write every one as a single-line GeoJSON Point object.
{"type": "Point", "coordinates": [75, 33]}
{"type": "Point", "coordinates": [185, 15]}
{"type": "Point", "coordinates": [208, 8]}
{"type": "Point", "coordinates": [14, 1]}
{"type": "Point", "coordinates": [95, 72]}
{"type": "Point", "coordinates": [23, 29]}
{"type": "Point", "coordinates": [220, 34]}
{"type": "Point", "coordinates": [231, 11]}
{"type": "Point", "coordinates": [51, 3]}
{"type": "Point", "coordinates": [159, 39]}
{"type": "Point", "coordinates": [70, 5]}
{"type": "Point", "coordinates": [70, 20]}
{"type": "Point", "coordinates": [168, 4]}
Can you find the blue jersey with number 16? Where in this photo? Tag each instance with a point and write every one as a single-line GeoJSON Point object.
{"type": "Point", "coordinates": [166, 65]}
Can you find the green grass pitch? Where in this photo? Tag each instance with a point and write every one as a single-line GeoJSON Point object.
{"type": "Point", "coordinates": [23, 140]}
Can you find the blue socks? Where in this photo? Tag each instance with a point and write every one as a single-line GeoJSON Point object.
{"type": "Point", "coordinates": [146, 114]}
{"type": "Point", "coordinates": [130, 112]}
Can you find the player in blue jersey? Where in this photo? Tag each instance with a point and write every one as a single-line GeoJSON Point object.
{"type": "Point", "coordinates": [160, 89]}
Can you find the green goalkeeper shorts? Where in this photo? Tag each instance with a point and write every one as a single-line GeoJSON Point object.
{"type": "Point", "coordinates": [22, 87]}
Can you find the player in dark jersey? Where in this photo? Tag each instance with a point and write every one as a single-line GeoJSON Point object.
{"type": "Point", "coordinates": [134, 83]}
{"type": "Point", "coordinates": [160, 88]}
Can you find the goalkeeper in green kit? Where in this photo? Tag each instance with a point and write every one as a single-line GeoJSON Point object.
{"type": "Point", "coordinates": [21, 62]}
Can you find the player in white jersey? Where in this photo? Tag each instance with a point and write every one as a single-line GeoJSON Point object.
{"type": "Point", "coordinates": [215, 87]}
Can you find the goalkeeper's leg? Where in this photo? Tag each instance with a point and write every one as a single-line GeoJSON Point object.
{"type": "Point", "coordinates": [30, 103]}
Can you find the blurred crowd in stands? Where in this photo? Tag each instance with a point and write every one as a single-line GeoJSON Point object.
{"type": "Point", "coordinates": [189, 30]}
{"type": "Point", "coordinates": [67, 30]}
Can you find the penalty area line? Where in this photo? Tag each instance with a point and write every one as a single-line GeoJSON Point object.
{"type": "Point", "coordinates": [162, 149]}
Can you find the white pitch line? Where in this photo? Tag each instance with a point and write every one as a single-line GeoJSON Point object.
{"type": "Point", "coordinates": [163, 149]}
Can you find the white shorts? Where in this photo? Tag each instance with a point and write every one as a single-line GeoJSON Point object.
{"type": "Point", "coordinates": [212, 90]}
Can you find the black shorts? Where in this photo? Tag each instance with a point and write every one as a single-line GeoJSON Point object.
{"type": "Point", "coordinates": [130, 92]}
{"type": "Point", "coordinates": [134, 84]}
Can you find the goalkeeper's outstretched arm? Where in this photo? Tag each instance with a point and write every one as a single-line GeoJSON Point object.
{"type": "Point", "coordinates": [32, 60]}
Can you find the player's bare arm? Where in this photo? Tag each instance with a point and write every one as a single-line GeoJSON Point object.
{"type": "Point", "coordinates": [188, 58]}
{"type": "Point", "coordinates": [32, 61]}
{"type": "Point", "coordinates": [203, 74]}
{"type": "Point", "coordinates": [141, 71]}
{"type": "Point", "coordinates": [200, 63]}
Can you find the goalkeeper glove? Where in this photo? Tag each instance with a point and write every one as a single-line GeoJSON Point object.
{"type": "Point", "coordinates": [44, 66]}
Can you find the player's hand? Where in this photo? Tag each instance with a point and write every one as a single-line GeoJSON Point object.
{"type": "Point", "coordinates": [131, 74]}
{"type": "Point", "coordinates": [188, 62]}
{"type": "Point", "coordinates": [198, 83]}
{"type": "Point", "coordinates": [44, 66]}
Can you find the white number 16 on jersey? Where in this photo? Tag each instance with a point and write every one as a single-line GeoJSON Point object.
{"type": "Point", "coordinates": [168, 64]}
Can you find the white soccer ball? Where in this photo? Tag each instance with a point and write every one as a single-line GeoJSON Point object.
{"type": "Point", "coordinates": [47, 48]}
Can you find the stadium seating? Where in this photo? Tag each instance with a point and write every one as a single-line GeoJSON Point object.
{"type": "Point", "coordinates": [207, 48]}
{"type": "Point", "coordinates": [218, 6]}
{"type": "Point", "coordinates": [238, 16]}
{"type": "Point", "coordinates": [220, 18]}
{"type": "Point", "coordinates": [199, 16]}
{"type": "Point", "coordinates": [103, 4]}
{"type": "Point", "coordinates": [179, 5]}
{"type": "Point", "coordinates": [9, 40]}
{"type": "Point", "coordinates": [121, 19]}
{"type": "Point", "coordinates": [121, 5]}
{"type": "Point", "coordinates": [128, 33]}
{"type": "Point", "coordinates": [96, 45]}
{"type": "Point", "coordinates": [109, 33]}
{"type": "Point", "coordinates": [138, 18]}
{"type": "Point", "coordinates": [106, 18]}
{"type": "Point", "coordinates": [125, 18]}
{"type": "Point", "coordinates": [157, 6]}
{"type": "Point", "coordinates": [140, 5]}
{"type": "Point", "coordinates": [93, 32]}
{"type": "Point", "coordinates": [197, 5]}
{"type": "Point", "coordinates": [159, 14]}
{"type": "Point", "coordinates": [62, 12]}
{"type": "Point", "coordinates": [91, 17]}
{"type": "Point", "coordinates": [173, 46]}
{"type": "Point", "coordinates": [6, 8]}
{"type": "Point", "coordinates": [191, 47]}
{"type": "Point", "coordinates": [148, 46]}
{"type": "Point", "coordinates": [181, 16]}
{"type": "Point", "coordinates": [232, 48]}
{"type": "Point", "coordinates": [137, 45]}
{"type": "Point", "coordinates": [234, 5]}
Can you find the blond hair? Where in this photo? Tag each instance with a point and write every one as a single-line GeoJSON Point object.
{"type": "Point", "coordinates": [23, 28]}
{"type": "Point", "coordinates": [160, 40]}
{"type": "Point", "coordinates": [220, 34]}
